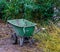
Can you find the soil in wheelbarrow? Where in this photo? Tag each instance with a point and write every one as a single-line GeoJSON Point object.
{"type": "Point", "coordinates": [7, 46]}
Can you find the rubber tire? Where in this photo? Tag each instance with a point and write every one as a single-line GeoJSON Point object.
{"type": "Point", "coordinates": [14, 39]}
{"type": "Point", "coordinates": [31, 41]}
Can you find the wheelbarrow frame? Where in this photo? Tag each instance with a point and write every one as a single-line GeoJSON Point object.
{"type": "Point", "coordinates": [21, 32]}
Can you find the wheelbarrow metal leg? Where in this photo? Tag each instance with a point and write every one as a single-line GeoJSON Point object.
{"type": "Point", "coordinates": [14, 39]}
{"type": "Point", "coordinates": [21, 40]}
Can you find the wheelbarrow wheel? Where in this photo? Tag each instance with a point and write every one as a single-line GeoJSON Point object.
{"type": "Point", "coordinates": [14, 39]}
{"type": "Point", "coordinates": [31, 41]}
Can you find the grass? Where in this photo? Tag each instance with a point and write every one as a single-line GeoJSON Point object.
{"type": "Point", "coordinates": [49, 39]}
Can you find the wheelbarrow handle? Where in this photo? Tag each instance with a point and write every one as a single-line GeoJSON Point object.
{"type": "Point", "coordinates": [38, 29]}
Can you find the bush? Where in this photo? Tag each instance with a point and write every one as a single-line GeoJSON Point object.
{"type": "Point", "coordinates": [13, 9]}
{"type": "Point", "coordinates": [45, 9]}
{"type": "Point", "coordinates": [28, 9]}
{"type": "Point", "coordinates": [2, 5]}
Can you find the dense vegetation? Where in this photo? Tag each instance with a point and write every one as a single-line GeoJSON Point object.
{"type": "Point", "coordinates": [49, 39]}
{"type": "Point", "coordinates": [28, 9]}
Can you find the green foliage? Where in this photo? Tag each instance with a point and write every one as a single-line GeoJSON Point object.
{"type": "Point", "coordinates": [28, 9]}
{"type": "Point", "coordinates": [56, 3]}
{"type": "Point", "coordinates": [13, 9]}
{"type": "Point", "coordinates": [38, 9]}
{"type": "Point", "coordinates": [2, 4]}
{"type": "Point", "coordinates": [45, 9]}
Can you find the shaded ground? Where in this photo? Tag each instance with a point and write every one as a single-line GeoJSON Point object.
{"type": "Point", "coordinates": [7, 46]}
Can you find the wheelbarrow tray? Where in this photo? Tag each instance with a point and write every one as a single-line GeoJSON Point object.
{"type": "Point", "coordinates": [22, 27]}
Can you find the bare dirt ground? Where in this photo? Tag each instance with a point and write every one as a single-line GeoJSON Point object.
{"type": "Point", "coordinates": [7, 46]}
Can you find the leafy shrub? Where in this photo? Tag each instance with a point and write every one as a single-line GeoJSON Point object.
{"type": "Point", "coordinates": [28, 9]}
{"type": "Point", "coordinates": [2, 5]}
{"type": "Point", "coordinates": [45, 9]}
{"type": "Point", "coordinates": [13, 9]}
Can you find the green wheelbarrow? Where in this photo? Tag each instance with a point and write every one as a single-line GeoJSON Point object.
{"type": "Point", "coordinates": [24, 30]}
